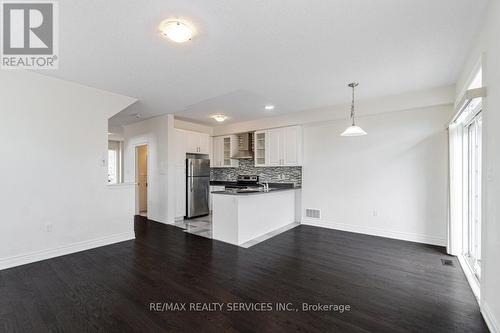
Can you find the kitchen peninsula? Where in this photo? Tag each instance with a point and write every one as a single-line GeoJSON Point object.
{"type": "Point", "coordinates": [241, 216]}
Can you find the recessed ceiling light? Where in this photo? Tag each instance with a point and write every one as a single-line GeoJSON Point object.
{"type": "Point", "coordinates": [269, 107]}
{"type": "Point", "coordinates": [219, 117]}
{"type": "Point", "coordinates": [176, 30]}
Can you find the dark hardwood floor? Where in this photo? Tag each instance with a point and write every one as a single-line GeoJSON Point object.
{"type": "Point", "coordinates": [390, 285]}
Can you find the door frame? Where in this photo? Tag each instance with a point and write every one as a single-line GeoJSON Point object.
{"type": "Point", "coordinates": [148, 169]}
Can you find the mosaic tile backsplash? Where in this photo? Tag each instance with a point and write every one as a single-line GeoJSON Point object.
{"type": "Point", "coordinates": [266, 174]}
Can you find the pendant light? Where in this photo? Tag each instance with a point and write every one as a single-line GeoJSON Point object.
{"type": "Point", "coordinates": [353, 130]}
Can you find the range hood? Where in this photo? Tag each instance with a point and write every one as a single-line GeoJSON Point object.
{"type": "Point", "coordinates": [245, 150]}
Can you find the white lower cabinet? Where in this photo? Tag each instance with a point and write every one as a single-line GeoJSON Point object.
{"type": "Point", "coordinates": [279, 147]}
{"type": "Point", "coordinates": [212, 189]}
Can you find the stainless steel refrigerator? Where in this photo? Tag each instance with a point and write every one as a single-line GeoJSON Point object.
{"type": "Point", "coordinates": [198, 187]}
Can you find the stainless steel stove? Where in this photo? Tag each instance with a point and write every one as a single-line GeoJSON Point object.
{"type": "Point", "coordinates": [244, 182]}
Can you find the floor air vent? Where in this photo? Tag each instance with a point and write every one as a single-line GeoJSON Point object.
{"type": "Point", "coordinates": [313, 213]}
{"type": "Point", "coordinates": [447, 262]}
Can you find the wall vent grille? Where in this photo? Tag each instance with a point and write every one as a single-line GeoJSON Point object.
{"type": "Point", "coordinates": [313, 213]}
{"type": "Point", "coordinates": [447, 262]}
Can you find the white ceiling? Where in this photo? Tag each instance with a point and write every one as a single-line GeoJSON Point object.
{"type": "Point", "coordinates": [295, 54]}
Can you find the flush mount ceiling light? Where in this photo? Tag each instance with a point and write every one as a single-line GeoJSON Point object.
{"type": "Point", "coordinates": [269, 107]}
{"type": "Point", "coordinates": [219, 117]}
{"type": "Point", "coordinates": [353, 130]}
{"type": "Point", "coordinates": [177, 30]}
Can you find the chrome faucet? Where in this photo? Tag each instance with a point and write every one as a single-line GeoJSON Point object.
{"type": "Point", "coordinates": [266, 186]}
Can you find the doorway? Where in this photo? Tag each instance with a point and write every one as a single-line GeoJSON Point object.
{"type": "Point", "coordinates": [473, 180]}
{"type": "Point", "coordinates": [142, 179]}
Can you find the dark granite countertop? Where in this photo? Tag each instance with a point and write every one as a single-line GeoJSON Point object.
{"type": "Point", "coordinates": [271, 185]}
{"type": "Point", "coordinates": [271, 190]}
{"type": "Point", "coordinates": [222, 182]}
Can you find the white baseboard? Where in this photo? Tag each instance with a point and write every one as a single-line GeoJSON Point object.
{"type": "Point", "coordinates": [28, 258]}
{"type": "Point", "coordinates": [489, 318]}
{"type": "Point", "coordinates": [160, 219]}
{"type": "Point", "coordinates": [418, 238]}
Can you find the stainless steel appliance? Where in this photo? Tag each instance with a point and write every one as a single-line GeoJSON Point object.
{"type": "Point", "coordinates": [247, 184]}
{"type": "Point", "coordinates": [245, 181]}
{"type": "Point", "coordinates": [245, 146]}
{"type": "Point", "coordinates": [198, 187]}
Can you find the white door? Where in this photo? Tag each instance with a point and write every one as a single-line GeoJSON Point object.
{"type": "Point", "coordinates": [274, 144]}
{"type": "Point", "coordinates": [472, 234]}
{"type": "Point", "coordinates": [292, 146]}
{"type": "Point", "coordinates": [142, 178]}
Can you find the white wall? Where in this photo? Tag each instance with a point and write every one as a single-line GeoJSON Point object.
{"type": "Point", "coordinates": [398, 172]}
{"type": "Point", "coordinates": [190, 126]}
{"type": "Point", "coordinates": [488, 48]}
{"type": "Point", "coordinates": [53, 139]}
{"type": "Point", "coordinates": [157, 133]}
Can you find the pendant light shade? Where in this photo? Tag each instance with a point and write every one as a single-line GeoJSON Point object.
{"type": "Point", "coordinates": [353, 130]}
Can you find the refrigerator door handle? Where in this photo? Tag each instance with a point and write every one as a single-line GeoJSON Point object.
{"type": "Point", "coordinates": [192, 178]}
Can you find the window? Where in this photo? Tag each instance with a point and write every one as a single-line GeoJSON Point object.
{"type": "Point", "coordinates": [472, 221]}
{"type": "Point", "coordinates": [465, 133]}
{"type": "Point", "coordinates": [115, 164]}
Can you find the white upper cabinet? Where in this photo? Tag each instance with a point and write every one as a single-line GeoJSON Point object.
{"type": "Point", "coordinates": [260, 150]}
{"type": "Point", "coordinates": [197, 143]}
{"type": "Point", "coordinates": [279, 147]}
{"type": "Point", "coordinates": [223, 148]}
{"type": "Point", "coordinates": [204, 143]}
{"type": "Point", "coordinates": [292, 153]}
{"type": "Point", "coordinates": [191, 142]}
{"type": "Point", "coordinates": [216, 152]}
{"type": "Point", "coordinates": [275, 147]}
